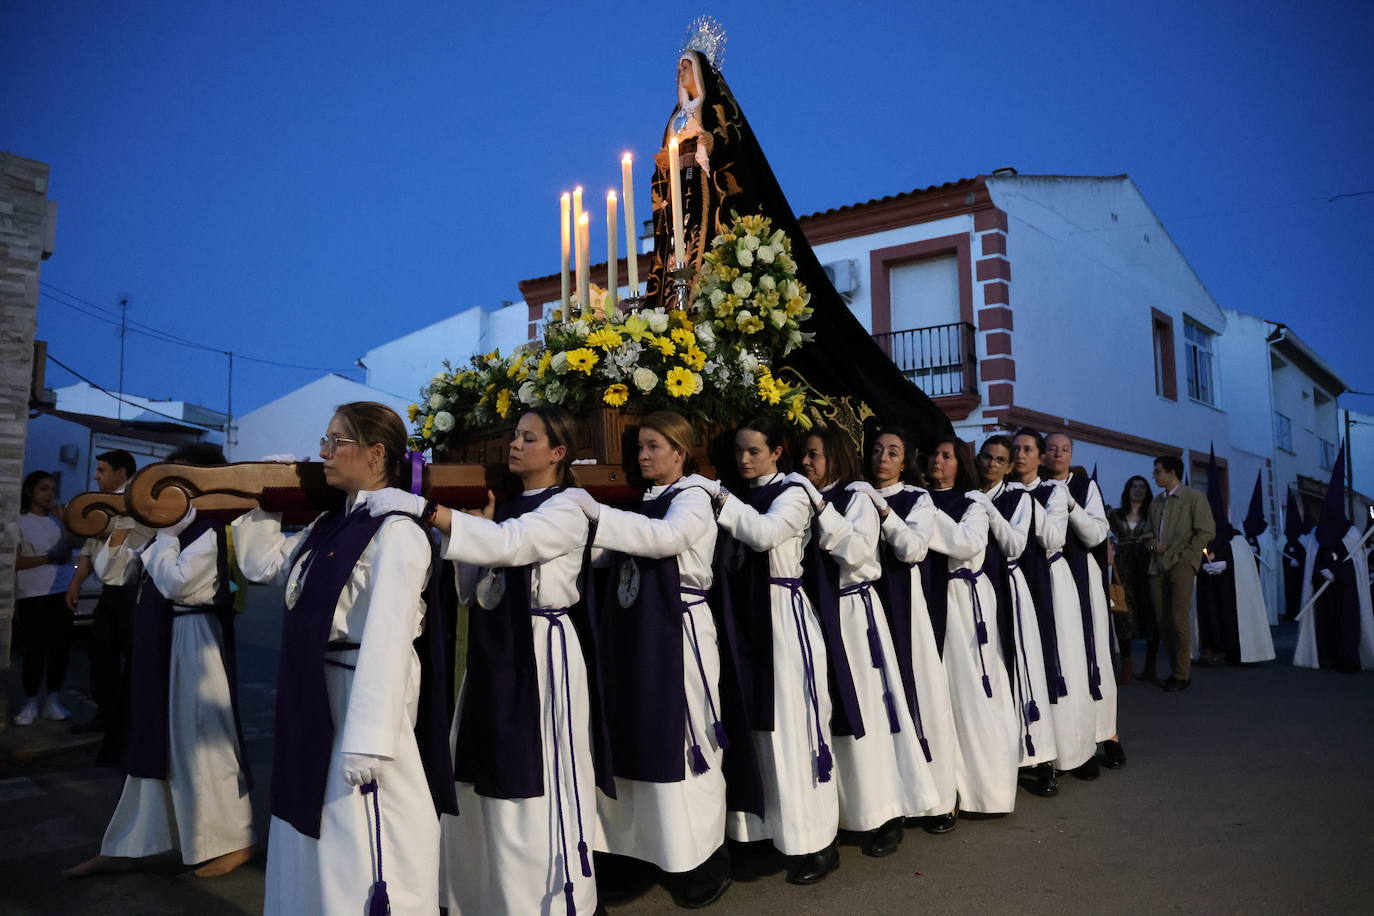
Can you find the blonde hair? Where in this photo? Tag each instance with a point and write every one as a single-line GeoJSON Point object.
{"type": "Point", "coordinates": [677, 430]}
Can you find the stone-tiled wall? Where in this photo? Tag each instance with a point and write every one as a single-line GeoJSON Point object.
{"type": "Point", "coordinates": [27, 220]}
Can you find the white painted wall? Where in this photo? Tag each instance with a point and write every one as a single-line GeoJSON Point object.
{"type": "Point", "coordinates": [1362, 450]}
{"type": "Point", "coordinates": [294, 422]}
{"type": "Point", "coordinates": [87, 399]}
{"type": "Point", "coordinates": [48, 435]}
{"type": "Point", "coordinates": [404, 365]}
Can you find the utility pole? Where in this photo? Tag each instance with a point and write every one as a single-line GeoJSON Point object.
{"type": "Point", "coordinates": [229, 421]}
{"type": "Point", "coordinates": [1349, 471]}
{"type": "Point", "coordinates": [123, 332]}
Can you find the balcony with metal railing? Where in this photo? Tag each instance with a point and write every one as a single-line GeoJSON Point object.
{"type": "Point", "coordinates": [942, 360]}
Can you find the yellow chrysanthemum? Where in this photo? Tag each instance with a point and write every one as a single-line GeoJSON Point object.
{"type": "Point", "coordinates": [770, 392]}
{"type": "Point", "coordinates": [582, 360]}
{"type": "Point", "coordinates": [616, 395]}
{"type": "Point", "coordinates": [680, 382]}
{"type": "Point", "coordinates": [414, 411]}
{"type": "Point", "coordinates": [604, 338]}
{"type": "Point", "coordinates": [544, 359]}
{"type": "Point", "coordinates": [664, 345]}
{"type": "Point", "coordinates": [694, 358]}
{"type": "Point", "coordinates": [683, 336]}
{"type": "Point", "coordinates": [503, 403]}
{"type": "Point", "coordinates": [429, 425]}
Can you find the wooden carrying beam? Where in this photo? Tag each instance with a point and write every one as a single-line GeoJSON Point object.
{"type": "Point", "coordinates": [89, 514]}
{"type": "Point", "coordinates": [159, 494]}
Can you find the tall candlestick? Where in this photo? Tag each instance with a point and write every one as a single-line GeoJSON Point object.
{"type": "Point", "coordinates": [565, 224]}
{"type": "Point", "coordinates": [675, 185]}
{"type": "Point", "coordinates": [583, 290]}
{"type": "Point", "coordinates": [612, 253]}
{"type": "Point", "coordinates": [627, 190]}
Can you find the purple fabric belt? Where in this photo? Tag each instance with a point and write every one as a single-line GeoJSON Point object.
{"type": "Point", "coordinates": [824, 762]}
{"type": "Point", "coordinates": [875, 649]}
{"type": "Point", "coordinates": [555, 618]}
{"type": "Point", "coordinates": [1057, 555]}
{"type": "Point", "coordinates": [971, 577]}
{"type": "Point", "coordinates": [699, 764]}
{"type": "Point", "coordinates": [1025, 687]}
{"type": "Point", "coordinates": [185, 610]}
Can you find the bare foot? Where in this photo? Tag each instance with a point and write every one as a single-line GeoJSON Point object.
{"type": "Point", "coordinates": [100, 865]}
{"type": "Point", "coordinates": [225, 863]}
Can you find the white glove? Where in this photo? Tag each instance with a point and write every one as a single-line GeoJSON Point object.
{"type": "Point", "coordinates": [979, 496]}
{"type": "Point", "coordinates": [283, 458]}
{"type": "Point", "coordinates": [394, 499]}
{"type": "Point", "coordinates": [1293, 563]}
{"type": "Point", "coordinates": [585, 501]}
{"type": "Point", "coordinates": [174, 530]}
{"type": "Point", "coordinates": [866, 488]}
{"type": "Point", "coordinates": [817, 499]}
{"type": "Point", "coordinates": [361, 769]}
{"type": "Point", "coordinates": [1214, 568]}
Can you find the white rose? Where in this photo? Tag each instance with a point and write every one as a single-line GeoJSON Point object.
{"type": "Point", "coordinates": [644, 379]}
{"type": "Point", "coordinates": [742, 287]}
{"type": "Point", "coordinates": [750, 241]}
{"type": "Point", "coordinates": [793, 290]}
{"type": "Point", "coordinates": [528, 394]}
{"type": "Point", "coordinates": [439, 378]}
{"type": "Point", "coordinates": [436, 401]}
{"type": "Point", "coordinates": [766, 253]}
{"type": "Point", "coordinates": [699, 382]}
{"type": "Point", "coordinates": [706, 334]}
{"type": "Point", "coordinates": [658, 321]}
{"type": "Point", "coordinates": [779, 318]}
{"type": "Point", "coordinates": [580, 328]}
{"type": "Point", "coordinates": [748, 361]}
{"type": "Point", "coordinates": [766, 282]}
{"type": "Point", "coordinates": [745, 257]}
{"type": "Point", "coordinates": [777, 239]}
{"type": "Point", "coordinates": [559, 363]}
{"type": "Point", "coordinates": [743, 315]}
{"type": "Point", "coordinates": [554, 392]}
{"type": "Point", "coordinates": [443, 421]}
{"type": "Point", "coordinates": [717, 295]}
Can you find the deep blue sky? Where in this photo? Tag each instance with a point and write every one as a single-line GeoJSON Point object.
{"type": "Point", "coordinates": [303, 181]}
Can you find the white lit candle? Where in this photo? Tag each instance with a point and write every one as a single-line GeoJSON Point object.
{"type": "Point", "coordinates": [612, 253]}
{"type": "Point", "coordinates": [565, 224]}
{"type": "Point", "coordinates": [583, 290]}
{"type": "Point", "coordinates": [675, 185]}
{"type": "Point", "coordinates": [627, 191]}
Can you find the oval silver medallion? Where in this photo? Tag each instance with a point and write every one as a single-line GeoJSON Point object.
{"type": "Point", "coordinates": [491, 589]}
{"type": "Point", "coordinates": [627, 586]}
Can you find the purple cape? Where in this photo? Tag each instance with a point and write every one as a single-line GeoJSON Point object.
{"type": "Point", "coordinates": [821, 580]}
{"type": "Point", "coordinates": [1076, 553]}
{"type": "Point", "coordinates": [1035, 566]}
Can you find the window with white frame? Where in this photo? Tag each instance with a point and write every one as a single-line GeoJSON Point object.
{"type": "Point", "coordinates": [1199, 348]}
{"type": "Point", "coordinates": [1283, 432]}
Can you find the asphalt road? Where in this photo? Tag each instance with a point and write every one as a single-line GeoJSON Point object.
{"type": "Point", "coordinates": [1248, 793]}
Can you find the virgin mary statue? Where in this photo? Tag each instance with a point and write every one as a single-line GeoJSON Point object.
{"type": "Point", "coordinates": [724, 172]}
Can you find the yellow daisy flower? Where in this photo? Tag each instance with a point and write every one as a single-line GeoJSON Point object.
{"type": "Point", "coordinates": [414, 411]}
{"type": "Point", "coordinates": [770, 392]}
{"type": "Point", "coordinates": [544, 359]}
{"type": "Point", "coordinates": [680, 382]}
{"type": "Point", "coordinates": [664, 345]}
{"type": "Point", "coordinates": [604, 338]}
{"type": "Point", "coordinates": [583, 360]}
{"type": "Point", "coordinates": [503, 403]}
{"type": "Point", "coordinates": [683, 336]}
{"type": "Point", "coordinates": [616, 395]}
{"type": "Point", "coordinates": [694, 358]}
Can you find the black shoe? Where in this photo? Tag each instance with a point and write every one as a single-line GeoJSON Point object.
{"type": "Point", "coordinates": [1174, 685]}
{"type": "Point", "coordinates": [941, 823]}
{"type": "Point", "coordinates": [1087, 771]}
{"type": "Point", "coordinates": [812, 868]}
{"type": "Point", "coordinates": [1113, 757]}
{"type": "Point", "coordinates": [885, 840]}
{"type": "Point", "coordinates": [1046, 785]}
{"type": "Point", "coordinates": [703, 885]}
{"type": "Point", "coordinates": [619, 879]}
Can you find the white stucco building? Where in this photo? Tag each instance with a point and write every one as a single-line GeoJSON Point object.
{"type": "Point", "coordinates": [402, 366]}
{"type": "Point", "coordinates": [294, 422]}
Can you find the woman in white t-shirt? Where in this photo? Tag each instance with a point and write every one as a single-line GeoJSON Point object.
{"type": "Point", "coordinates": [43, 621]}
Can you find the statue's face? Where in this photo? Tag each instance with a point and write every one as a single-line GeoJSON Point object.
{"type": "Point", "coordinates": [687, 77]}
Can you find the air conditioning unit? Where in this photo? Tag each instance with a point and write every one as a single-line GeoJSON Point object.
{"type": "Point", "coordinates": [844, 275]}
{"type": "Point", "coordinates": [69, 454]}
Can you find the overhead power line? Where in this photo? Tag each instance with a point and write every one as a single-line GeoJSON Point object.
{"type": "Point", "coordinates": [123, 400]}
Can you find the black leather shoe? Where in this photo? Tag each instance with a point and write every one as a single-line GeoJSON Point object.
{"type": "Point", "coordinates": [1113, 757]}
{"type": "Point", "coordinates": [1087, 771]}
{"type": "Point", "coordinates": [885, 840]}
{"type": "Point", "coordinates": [941, 823]}
{"type": "Point", "coordinates": [1174, 685]}
{"type": "Point", "coordinates": [1046, 785]}
{"type": "Point", "coordinates": [809, 869]}
{"type": "Point", "coordinates": [618, 879]}
{"type": "Point", "coordinates": [703, 885]}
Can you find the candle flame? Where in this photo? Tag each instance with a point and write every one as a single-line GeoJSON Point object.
{"type": "Point", "coordinates": [672, 143]}
{"type": "Point", "coordinates": [585, 217]}
{"type": "Point", "coordinates": [627, 158]}
{"type": "Point", "coordinates": [610, 195]}
{"type": "Point", "coordinates": [565, 197]}
{"type": "Point", "coordinates": [577, 190]}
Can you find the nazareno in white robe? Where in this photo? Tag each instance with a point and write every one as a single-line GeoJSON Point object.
{"type": "Point", "coordinates": [801, 813]}
{"type": "Point", "coordinates": [1031, 685]}
{"type": "Point", "coordinates": [202, 808]}
{"type": "Point", "coordinates": [909, 539]}
{"type": "Point", "coordinates": [987, 725]}
{"type": "Point", "coordinates": [374, 709]}
{"type": "Point", "coordinates": [505, 855]}
{"type": "Point", "coordinates": [883, 775]}
{"type": "Point", "coordinates": [1305, 654]}
{"type": "Point", "coordinates": [1090, 524]}
{"type": "Point", "coordinates": [1073, 717]}
{"type": "Point", "coordinates": [674, 825]}
{"type": "Point", "coordinates": [1252, 613]}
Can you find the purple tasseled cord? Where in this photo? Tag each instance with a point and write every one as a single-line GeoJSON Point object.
{"type": "Point", "coordinates": [1024, 685]}
{"type": "Point", "coordinates": [1061, 686]}
{"type": "Point", "coordinates": [554, 617]}
{"type": "Point", "coordinates": [824, 762]}
{"type": "Point", "coordinates": [971, 578]}
{"type": "Point", "coordinates": [722, 740]}
{"type": "Point", "coordinates": [379, 903]}
{"type": "Point", "coordinates": [875, 650]}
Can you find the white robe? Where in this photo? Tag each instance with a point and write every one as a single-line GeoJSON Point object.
{"type": "Point", "coordinates": [801, 813]}
{"type": "Point", "coordinates": [1031, 685]}
{"type": "Point", "coordinates": [1305, 655]}
{"type": "Point", "coordinates": [910, 541]}
{"type": "Point", "coordinates": [202, 808]}
{"type": "Point", "coordinates": [883, 775]}
{"type": "Point", "coordinates": [506, 855]}
{"type": "Point", "coordinates": [987, 725]}
{"type": "Point", "coordinates": [1252, 613]}
{"type": "Point", "coordinates": [374, 710]}
{"type": "Point", "coordinates": [674, 825]}
{"type": "Point", "coordinates": [1073, 718]}
{"type": "Point", "coordinates": [1090, 524]}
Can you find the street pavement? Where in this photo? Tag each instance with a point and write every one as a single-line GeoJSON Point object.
{"type": "Point", "coordinates": [1250, 792]}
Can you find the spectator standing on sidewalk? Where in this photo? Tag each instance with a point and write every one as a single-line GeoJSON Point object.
{"type": "Point", "coordinates": [42, 620]}
{"type": "Point", "coordinates": [1182, 524]}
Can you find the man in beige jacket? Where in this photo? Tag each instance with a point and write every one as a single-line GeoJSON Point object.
{"type": "Point", "coordinates": [1182, 524]}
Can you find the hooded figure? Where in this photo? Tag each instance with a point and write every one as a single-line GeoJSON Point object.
{"type": "Point", "coordinates": [725, 172]}
{"type": "Point", "coordinates": [1294, 556]}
